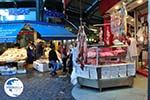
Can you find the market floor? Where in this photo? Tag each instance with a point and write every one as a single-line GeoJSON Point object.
{"type": "Point", "coordinates": [40, 86]}
{"type": "Point", "coordinates": [138, 92]}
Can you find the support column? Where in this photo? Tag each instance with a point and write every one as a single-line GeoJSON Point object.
{"type": "Point", "coordinates": [39, 10]}
{"type": "Point", "coordinates": [149, 50]}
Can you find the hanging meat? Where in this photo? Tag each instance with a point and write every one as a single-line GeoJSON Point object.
{"type": "Point", "coordinates": [82, 46]}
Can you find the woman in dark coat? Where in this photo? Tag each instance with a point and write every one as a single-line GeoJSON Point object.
{"type": "Point", "coordinates": [30, 53]}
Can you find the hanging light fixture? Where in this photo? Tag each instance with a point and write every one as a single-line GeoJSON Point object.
{"type": "Point", "coordinates": [139, 1]}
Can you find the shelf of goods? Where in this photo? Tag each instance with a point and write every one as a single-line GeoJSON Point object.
{"type": "Point", "coordinates": [12, 61]}
{"type": "Point", "coordinates": [13, 55]}
{"type": "Point", "coordinates": [107, 70]}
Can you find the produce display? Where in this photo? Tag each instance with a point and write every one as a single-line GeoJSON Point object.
{"type": "Point", "coordinates": [13, 54]}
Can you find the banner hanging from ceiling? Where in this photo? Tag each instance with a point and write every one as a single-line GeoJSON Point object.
{"type": "Point", "coordinates": [118, 21]}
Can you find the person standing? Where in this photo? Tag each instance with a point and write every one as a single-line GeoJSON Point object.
{"type": "Point", "coordinates": [64, 58]}
{"type": "Point", "coordinates": [132, 48]}
{"type": "Point", "coordinates": [39, 50]}
{"type": "Point", "coordinates": [53, 60]}
{"type": "Point", "coordinates": [30, 53]}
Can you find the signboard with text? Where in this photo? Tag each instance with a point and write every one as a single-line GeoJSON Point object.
{"type": "Point", "coordinates": [9, 32]}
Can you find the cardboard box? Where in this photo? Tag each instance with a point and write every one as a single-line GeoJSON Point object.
{"type": "Point", "coordinates": [122, 70]}
{"type": "Point", "coordinates": [114, 72]}
{"type": "Point", "coordinates": [105, 73]}
{"type": "Point", "coordinates": [93, 73]}
{"type": "Point", "coordinates": [131, 69]}
{"type": "Point", "coordinates": [41, 67]}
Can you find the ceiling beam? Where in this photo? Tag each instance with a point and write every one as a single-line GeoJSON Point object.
{"type": "Point", "coordinates": [68, 3]}
{"type": "Point", "coordinates": [18, 4]}
{"type": "Point", "coordinates": [92, 7]}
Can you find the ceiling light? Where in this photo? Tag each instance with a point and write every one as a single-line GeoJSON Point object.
{"type": "Point", "coordinates": [20, 17]}
{"type": "Point", "coordinates": [117, 7]}
{"type": "Point", "coordinates": [139, 1]}
{"type": "Point", "coordinates": [132, 19]}
{"type": "Point", "coordinates": [45, 8]}
{"type": "Point", "coordinates": [92, 29]}
{"type": "Point", "coordinates": [127, 16]}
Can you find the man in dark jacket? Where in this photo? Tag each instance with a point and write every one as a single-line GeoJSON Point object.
{"type": "Point", "coordinates": [52, 60]}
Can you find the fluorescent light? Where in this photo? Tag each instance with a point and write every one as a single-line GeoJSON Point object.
{"type": "Point", "coordinates": [127, 16]}
{"type": "Point", "coordinates": [94, 30]}
{"type": "Point", "coordinates": [20, 17]}
{"type": "Point", "coordinates": [117, 7]}
{"type": "Point", "coordinates": [10, 17]}
{"type": "Point", "coordinates": [132, 19]}
{"type": "Point", "coordinates": [139, 1]}
{"type": "Point", "coordinates": [96, 25]}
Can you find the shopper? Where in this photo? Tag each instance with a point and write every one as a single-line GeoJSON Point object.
{"type": "Point", "coordinates": [59, 47]}
{"type": "Point", "coordinates": [30, 53]}
{"type": "Point", "coordinates": [132, 48]}
{"type": "Point", "coordinates": [70, 63]}
{"type": "Point", "coordinates": [39, 50]}
{"type": "Point", "coordinates": [53, 60]}
{"type": "Point", "coordinates": [75, 54]}
{"type": "Point", "coordinates": [64, 57]}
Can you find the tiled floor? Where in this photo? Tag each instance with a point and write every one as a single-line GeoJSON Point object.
{"type": "Point", "coordinates": [138, 92]}
{"type": "Point", "coordinates": [40, 86]}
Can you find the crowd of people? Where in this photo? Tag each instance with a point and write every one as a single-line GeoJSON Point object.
{"type": "Point", "coordinates": [35, 52]}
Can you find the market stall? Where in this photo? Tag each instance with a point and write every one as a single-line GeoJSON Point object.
{"type": "Point", "coordinates": [106, 65]}
{"type": "Point", "coordinates": [50, 32]}
{"type": "Point", "coordinates": [27, 32]}
{"type": "Point", "coordinates": [12, 60]}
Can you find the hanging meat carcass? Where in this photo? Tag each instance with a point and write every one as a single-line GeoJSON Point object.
{"type": "Point", "coordinates": [82, 46]}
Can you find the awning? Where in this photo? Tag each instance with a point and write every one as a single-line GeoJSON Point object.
{"type": "Point", "coordinates": [9, 32]}
{"type": "Point", "coordinates": [53, 32]}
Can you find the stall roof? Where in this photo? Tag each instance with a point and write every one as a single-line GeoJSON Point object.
{"type": "Point", "coordinates": [47, 31]}
{"type": "Point", "coordinates": [9, 32]}
{"type": "Point", "coordinates": [53, 32]}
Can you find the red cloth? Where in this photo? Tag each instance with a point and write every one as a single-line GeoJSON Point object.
{"type": "Point", "coordinates": [105, 5]}
{"type": "Point", "coordinates": [108, 37]}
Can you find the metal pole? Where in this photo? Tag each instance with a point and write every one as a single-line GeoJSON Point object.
{"type": "Point", "coordinates": [80, 12]}
{"type": "Point", "coordinates": [41, 10]}
{"type": "Point", "coordinates": [135, 23]}
{"type": "Point", "coordinates": [149, 50]}
{"type": "Point", "coordinates": [38, 10]}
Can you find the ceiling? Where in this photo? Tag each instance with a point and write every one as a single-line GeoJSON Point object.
{"type": "Point", "coordinates": [88, 9]}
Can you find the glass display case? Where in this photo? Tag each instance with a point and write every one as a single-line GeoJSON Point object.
{"type": "Point", "coordinates": [107, 67]}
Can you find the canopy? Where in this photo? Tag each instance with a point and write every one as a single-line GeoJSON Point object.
{"type": "Point", "coordinates": [8, 32]}
{"type": "Point", "coordinates": [53, 32]}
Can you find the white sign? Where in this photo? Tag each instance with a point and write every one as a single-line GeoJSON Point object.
{"type": "Point", "coordinates": [13, 87]}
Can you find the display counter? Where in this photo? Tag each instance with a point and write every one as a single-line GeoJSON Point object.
{"type": "Point", "coordinates": [105, 76]}
{"type": "Point", "coordinates": [106, 67]}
